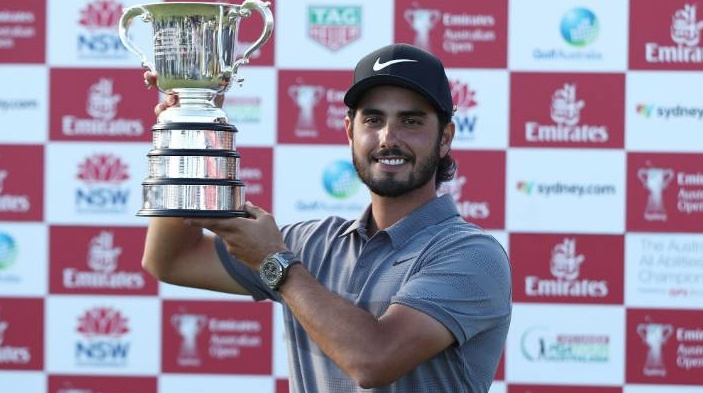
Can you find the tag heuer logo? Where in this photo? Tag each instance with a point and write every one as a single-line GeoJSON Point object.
{"type": "Point", "coordinates": [334, 27]}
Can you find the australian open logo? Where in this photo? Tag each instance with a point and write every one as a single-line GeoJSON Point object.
{"type": "Point", "coordinates": [102, 176]}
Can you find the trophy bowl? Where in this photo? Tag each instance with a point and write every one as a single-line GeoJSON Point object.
{"type": "Point", "coordinates": [195, 52]}
{"type": "Point", "coordinates": [193, 166]}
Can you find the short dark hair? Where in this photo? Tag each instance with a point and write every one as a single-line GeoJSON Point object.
{"type": "Point", "coordinates": [446, 167]}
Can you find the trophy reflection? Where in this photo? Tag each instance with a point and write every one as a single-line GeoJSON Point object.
{"type": "Point", "coordinates": [188, 326]}
{"type": "Point", "coordinates": [654, 335]}
{"type": "Point", "coordinates": [194, 165]}
{"type": "Point", "coordinates": [655, 180]}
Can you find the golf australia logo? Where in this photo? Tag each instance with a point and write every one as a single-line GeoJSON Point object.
{"type": "Point", "coordinates": [579, 27]}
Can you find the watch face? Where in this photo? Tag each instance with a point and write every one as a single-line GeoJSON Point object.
{"type": "Point", "coordinates": [270, 272]}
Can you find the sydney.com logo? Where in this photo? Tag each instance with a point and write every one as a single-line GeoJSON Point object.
{"type": "Point", "coordinates": [563, 189]}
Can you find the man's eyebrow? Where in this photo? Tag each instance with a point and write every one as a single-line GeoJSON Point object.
{"type": "Point", "coordinates": [411, 113]}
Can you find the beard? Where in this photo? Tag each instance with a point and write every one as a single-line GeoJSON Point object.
{"type": "Point", "coordinates": [387, 185]}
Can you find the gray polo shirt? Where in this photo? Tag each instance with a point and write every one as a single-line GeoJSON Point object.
{"type": "Point", "coordinates": [433, 261]}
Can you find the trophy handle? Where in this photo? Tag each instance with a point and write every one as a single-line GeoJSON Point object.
{"type": "Point", "coordinates": [125, 22]}
{"type": "Point", "coordinates": [244, 11]}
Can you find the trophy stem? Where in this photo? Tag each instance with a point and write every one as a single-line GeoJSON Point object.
{"type": "Point", "coordinates": [195, 98]}
{"type": "Point", "coordinates": [195, 106]}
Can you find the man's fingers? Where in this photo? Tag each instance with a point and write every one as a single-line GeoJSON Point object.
{"type": "Point", "coordinates": [149, 79]}
{"type": "Point", "coordinates": [169, 101]}
{"type": "Point", "coordinates": [253, 210]}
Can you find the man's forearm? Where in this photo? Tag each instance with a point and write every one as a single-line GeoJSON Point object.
{"type": "Point", "coordinates": [167, 239]}
{"type": "Point", "coordinates": [349, 335]}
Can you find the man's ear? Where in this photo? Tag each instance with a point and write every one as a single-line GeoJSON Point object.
{"type": "Point", "coordinates": [447, 137]}
{"type": "Point", "coordinates": [349, 129]}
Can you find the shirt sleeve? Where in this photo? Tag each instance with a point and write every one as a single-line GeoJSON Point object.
{"type": "Point", "coordinates": [463, 281]}
{"type": "Point", "coordinates": [242, 274]}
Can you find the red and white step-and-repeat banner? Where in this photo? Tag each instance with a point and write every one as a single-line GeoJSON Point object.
{"type": "Point", "coordinates": [579, 142]}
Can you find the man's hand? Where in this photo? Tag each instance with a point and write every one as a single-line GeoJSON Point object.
{"type": "Point", "coordinates": [169, 101]}
{"type": "Point", "coordinates": [249, 239]}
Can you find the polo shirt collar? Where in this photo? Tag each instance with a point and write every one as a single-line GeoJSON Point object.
{"type": "Point", "coordinates": [433, 212]}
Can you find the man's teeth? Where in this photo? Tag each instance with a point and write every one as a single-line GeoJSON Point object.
{"type": "Point", "coordinates": [391, 161]}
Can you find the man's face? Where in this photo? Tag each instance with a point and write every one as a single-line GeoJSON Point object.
{"type": "Point", "coordinates": [395, 141]}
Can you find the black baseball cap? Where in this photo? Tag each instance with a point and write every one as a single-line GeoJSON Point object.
{"type": "Point", "coordinates": [406, 66]}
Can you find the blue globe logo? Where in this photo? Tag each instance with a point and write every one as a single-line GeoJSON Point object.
{"type": "Point", "coordinates": [579, 27]}
{"type": "Point", "coordinates": [8, 250]}
{"type": "Point", "coordinates": [340, 179]}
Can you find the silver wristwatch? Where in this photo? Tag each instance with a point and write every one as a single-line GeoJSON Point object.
{"type": "Point", "coordinates": [274, 268]}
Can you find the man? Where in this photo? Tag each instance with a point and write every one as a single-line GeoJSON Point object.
{"type": "Point", "coordinates": [407, 298]}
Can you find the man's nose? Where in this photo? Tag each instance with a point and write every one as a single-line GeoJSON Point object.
{"type": "Point", "coordinates": [389, 135]}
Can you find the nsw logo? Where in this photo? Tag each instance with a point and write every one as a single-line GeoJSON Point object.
{"type": "Point", "coordinates": [102, 329]}
{"type": "Point", "coordinates": [100, 18]}
{"type": "Point", "coordinates": [464, 117]}
{"type": "Point", "coordinates": [102, 175]}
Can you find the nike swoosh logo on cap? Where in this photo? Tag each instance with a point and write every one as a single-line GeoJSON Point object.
{"type": "Point", "coordinates": [378, 66]}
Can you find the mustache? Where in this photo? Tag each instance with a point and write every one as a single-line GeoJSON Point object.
{"type": "Point", "coordinates": [392, 152]}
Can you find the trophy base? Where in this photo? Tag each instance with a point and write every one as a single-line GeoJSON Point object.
{"type": "Point", "coordinates": [191, 213]}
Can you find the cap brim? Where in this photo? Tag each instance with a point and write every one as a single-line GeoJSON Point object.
{"type": "Point", "coordinates": [354, 94]}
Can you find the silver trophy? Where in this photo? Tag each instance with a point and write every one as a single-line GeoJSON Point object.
{"type": "Point", "coordinates": [194, 164]}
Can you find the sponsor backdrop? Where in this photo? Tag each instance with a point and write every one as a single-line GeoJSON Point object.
{"type": "Point", "coordinates": [579, 142]}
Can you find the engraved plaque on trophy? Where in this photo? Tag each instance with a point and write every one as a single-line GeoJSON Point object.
{"type": "Point", "coordinates": [193, 167]}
